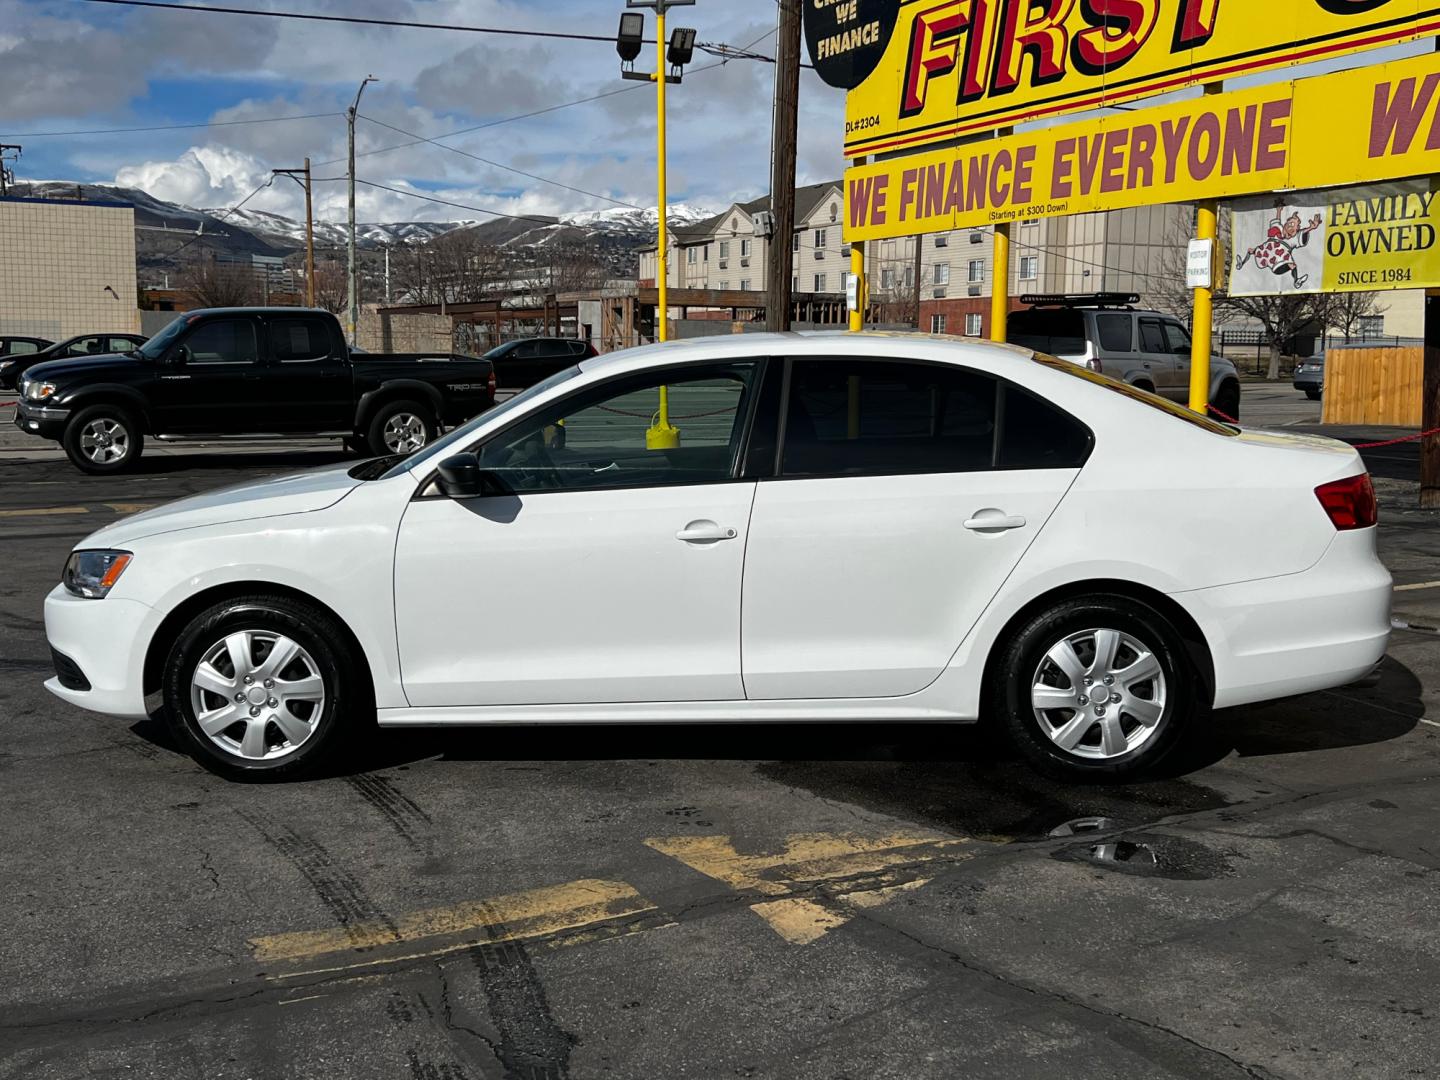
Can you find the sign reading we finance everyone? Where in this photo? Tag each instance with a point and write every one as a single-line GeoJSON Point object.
{"type": "Point", "coordinates": [1371, 124]}
{"type": "Point", "coordinates": [921, 72]}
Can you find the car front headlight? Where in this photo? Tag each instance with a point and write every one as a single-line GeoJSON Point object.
{"type": "Point", "coordinates": [92, 574]}
{"type": "Point", "coordinates": [38, 391]}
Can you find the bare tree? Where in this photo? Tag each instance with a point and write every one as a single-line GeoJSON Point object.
{"type": "Point", "coordinates": [210, 283]}
{"type": "Point", "coordinates": [1347, 310]}
{"type": "Point", "coordinates": [331, 286]}
{"type": "Point", "coordinates": [1281, 317]}
{"type": "Point", "coordinates": [453, 268]}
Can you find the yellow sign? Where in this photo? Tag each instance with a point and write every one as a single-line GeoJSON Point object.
{"type": "Point", "coordinates": [1347, 240]}
{"type": "Point", "coordinates": [954, 68]}
{"type": "Point", "coordinates": [1371, 124]}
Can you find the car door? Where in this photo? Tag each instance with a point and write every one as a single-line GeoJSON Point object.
{"type": "Point", "coordinates": [905, 495]}
{"type": "Point", "coordinates": [601, 570]}
{"type": "Point", "coordinates": [1156, 355]}
{"type": "Point", "coordinates": [1177, 340]}
{"type": "Point", "coordinates": [308, 375]}
{"type": "Point", "coordinates": [210, 382]}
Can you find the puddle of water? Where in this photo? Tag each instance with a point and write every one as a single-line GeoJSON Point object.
{"type": "Point", "coordinates": [1141, 854]}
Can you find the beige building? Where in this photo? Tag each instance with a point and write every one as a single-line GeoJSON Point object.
{"type": "Point", "coordinates": [67, 268]}
{"type": "Point", "coordinates": [731, 250]}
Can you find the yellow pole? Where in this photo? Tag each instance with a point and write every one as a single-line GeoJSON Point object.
{"type": "Point", "coordinates": [1000, 288]}
{"type": "Point", "coordinates": [662, 435]}
{"type": "Point", "coordinates": [857, 267]}
{"type": "Point", "coordinates": [1207, 221]}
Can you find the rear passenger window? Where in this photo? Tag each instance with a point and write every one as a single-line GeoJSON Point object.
{"type": "Point", "coordinates": [1036, 435]}
{"type": "Point", "coordinates": [1116, 333]}
{"type": "Point", "coordinates": [298, 340]}
{"type": "Point", "coordinates": [875, 418]}
{"type": "Point", "coordinates": [1152, 336]}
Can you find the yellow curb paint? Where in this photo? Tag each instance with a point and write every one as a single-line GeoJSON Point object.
{"type": "Point", "coordinates": [44, 511]}
{"type": "Point", "coordinates": [505, 918]}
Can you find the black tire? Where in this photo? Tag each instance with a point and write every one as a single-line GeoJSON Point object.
{"type": "Point", "coordinates": [379, 434]}
{"type": "Point", "coordinates": [321, 735]}
{"type": "Point", "coordinates": [86, 429]}
{"type": "Point", "coordinates": [1313, 395]}
{"type": "Point", "coordinates": [1227, 401]}
{"type": "Point", "coordinates": [1024, 665]}
{"type": "Point", "coordinates": [357, 447]}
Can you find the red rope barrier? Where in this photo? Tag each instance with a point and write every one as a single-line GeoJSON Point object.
{"type": "Point", "coordinates": [1397, 442]}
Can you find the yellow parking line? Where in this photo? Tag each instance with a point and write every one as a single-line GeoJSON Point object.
{"type": "Point", "coordinates": [504, 918]}
{"type": "Point", "coordinates": [1418, 586]}
{"type": "Point", "coordinates": [44, 511]}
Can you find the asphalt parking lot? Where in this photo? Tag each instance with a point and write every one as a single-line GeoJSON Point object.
{"type": "Point", "coordinates": [843, 903]}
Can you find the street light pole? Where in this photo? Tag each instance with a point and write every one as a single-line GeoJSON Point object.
{"type": "Point", "coordinates": [353, 307]}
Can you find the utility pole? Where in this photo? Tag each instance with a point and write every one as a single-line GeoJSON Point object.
{"type": "Point", "coordinates": [309, 229]}
{"type": "Point", "coordinates": [7, 177]}
{"type": "Point", "coordinates": [353, 307]}
{"type": "Point", "coordinates": [782, 165]}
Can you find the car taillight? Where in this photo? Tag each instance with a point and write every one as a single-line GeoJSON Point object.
{"type": "Point", "coordinates": [490, 384]}
{"type": "Point", "coordinates": [1095, 366]}
{"type": "Point", "coordinates": [1350, 502]}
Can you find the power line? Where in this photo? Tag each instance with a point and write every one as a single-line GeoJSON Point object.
{"type": "Point", "coordinates": [499, 165]}
{"type": "Point", "coordinates": [458, 206]}
{"type": "Point", "coordinates": [356, 19]}
{"type": "Point", "coordinates": [170, 127]}
{"type": "Point", "coordinates": [223, 215]}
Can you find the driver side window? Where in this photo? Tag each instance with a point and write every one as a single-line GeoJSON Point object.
{"type": "Point", "coordinates": [610, 436]}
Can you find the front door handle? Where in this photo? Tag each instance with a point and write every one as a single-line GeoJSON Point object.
{"type": "Point", "coordinates": [704, 532]}
{"type": "Point", "coordinates": [996, 521]}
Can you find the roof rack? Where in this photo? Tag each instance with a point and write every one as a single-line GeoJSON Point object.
{"type": "Point", "coordinates": [1073, 300]}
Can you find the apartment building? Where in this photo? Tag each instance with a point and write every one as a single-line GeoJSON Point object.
{"type": "Point", "coordinates": [730, 251]}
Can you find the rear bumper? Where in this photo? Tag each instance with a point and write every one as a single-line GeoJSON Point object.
{"type": "Point", "coordinates": [1300, 633]}
{"type": "Point", "coordinates": [105, 640]}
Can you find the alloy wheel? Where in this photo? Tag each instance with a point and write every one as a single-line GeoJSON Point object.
{"type": "Point", "coordinates": [1099, 694]}
{"type": "Point", "coordinates": [257, 694]}
{"type": "Point", "coordinates": [104, 441]}
{"type": "Point", "coordinates": [404, 433]}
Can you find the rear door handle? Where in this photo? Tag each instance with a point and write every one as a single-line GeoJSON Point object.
{"type": "Point", "coordinates": [995, 521]}
{"type": "Point", "coordinates": [702, 532]}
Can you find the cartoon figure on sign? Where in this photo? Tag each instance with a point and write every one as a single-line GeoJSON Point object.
{"type": "Point", "coordinates": [1283, 238]}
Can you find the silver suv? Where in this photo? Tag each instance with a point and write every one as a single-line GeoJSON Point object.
{"type": "Point", "coordinates": [1106, 333]}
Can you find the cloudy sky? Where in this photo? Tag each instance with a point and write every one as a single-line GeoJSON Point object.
{"type": "Point", "coordinates": [72, 66]}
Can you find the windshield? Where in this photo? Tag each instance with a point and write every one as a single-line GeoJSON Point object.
{"type": "Point", "coordinates": [1060, 332]}
{"type": "Point", "coordinates": [461, 435]}
{"type": "Point", "coordinates": [156, 346]}
{"type": "Point", "coordinates": [1155, 401]}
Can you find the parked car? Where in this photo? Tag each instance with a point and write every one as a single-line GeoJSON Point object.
{"type": "Point", "coordinates": [257, 372]}
{"type": "Point", "coordinates": [1310, 376]}
{"type": "Point", "coordinates": [853, 526]}
{"type": "Point", "coordinates": [14, 351]}
{"type": "Point", "coordinates": [81, 345]}
{"type": "Point", "coordinates": [526, 361]}
{"type": "Point", "coordinates": [1108, 334]}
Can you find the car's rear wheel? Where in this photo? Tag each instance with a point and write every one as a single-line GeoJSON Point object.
{"type": "Point", "coordinates": [264, 688]}
{"type": "Point", "coordinates": [401, 427]}
{"type": "Point", "coordinates": [1313, 395]}
{"type": "Point", "coordinates": [1099, 688]}
{"type": "Point", "coordinates": [103, 439]}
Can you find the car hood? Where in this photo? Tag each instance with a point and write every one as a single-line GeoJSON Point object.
{"type": "Point", "coordinates": [52, 370]}
{"type": "Point", "coordinates": [299, 493]}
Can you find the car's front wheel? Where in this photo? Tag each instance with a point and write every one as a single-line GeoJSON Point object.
{"type": "Point", "coordinates": [103, 439]}
{"type": "Point", "coordinates": [263, 688]}
{"type": "Point", "coordinates": [1098, 688]}
{"type": "Point", "coordinates": [401, 427]}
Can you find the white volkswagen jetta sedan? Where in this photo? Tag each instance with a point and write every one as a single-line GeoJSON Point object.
{"type": "Point", "coordinates": [768, 527]}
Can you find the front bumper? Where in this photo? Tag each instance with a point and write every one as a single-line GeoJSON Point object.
{"type": "Point", "coordinates": [47, 422]}
{"type": "Point", "coordinates": [1309, 381]}
{"type": "Point", "coordinates": [105, 640]}
{"type": "Point", "coordinates": [1316, 630]}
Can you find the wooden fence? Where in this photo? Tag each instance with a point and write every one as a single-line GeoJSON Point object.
{"type": "Point", "coordinates": [1381, 387]}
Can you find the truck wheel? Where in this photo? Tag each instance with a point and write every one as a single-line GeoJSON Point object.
{"type": "Point", "coordinates": [1227, 401]}
{"type": "Point", "coordinates": [401, 427]}
{"type": "Point", "coordinates": [103, 439]}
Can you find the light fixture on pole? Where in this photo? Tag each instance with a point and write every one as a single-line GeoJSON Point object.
{"type": "Point", "coordinates": [662, 435]}
{"type": "Point", "coordinates": [352, 309]}
{"type": "Point", "coordinates": [295, 175]}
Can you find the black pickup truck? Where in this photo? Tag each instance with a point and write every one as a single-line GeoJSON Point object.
{"type": "Point", "coordinates": [248, 372]}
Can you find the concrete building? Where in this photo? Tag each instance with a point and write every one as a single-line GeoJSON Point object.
{"type": "Point", "coordinates": [67, 268]}
{"type": "Point", "coordinates": [731, 251]}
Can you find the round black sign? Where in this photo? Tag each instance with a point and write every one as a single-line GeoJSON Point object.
{"type": "Point", "coordinates": [847, 38]}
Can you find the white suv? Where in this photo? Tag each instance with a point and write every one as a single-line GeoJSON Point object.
{"type": "Point", "coordinates": [828, 528]}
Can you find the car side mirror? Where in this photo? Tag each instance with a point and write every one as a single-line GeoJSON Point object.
{"type": "Point", "coordinates": [461, 477]}
{"type": "Point", "coordinates": [181, 355]}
